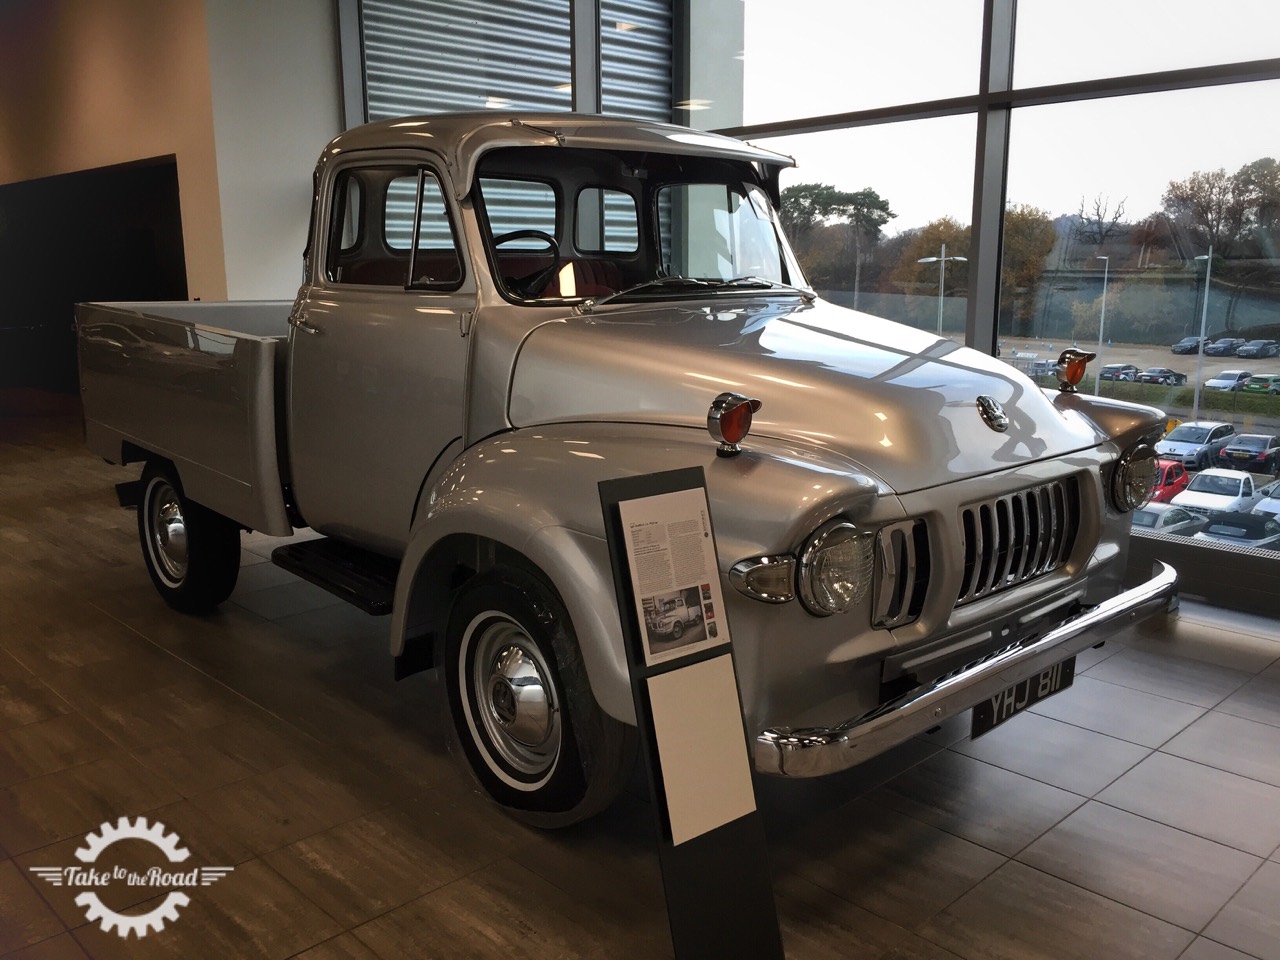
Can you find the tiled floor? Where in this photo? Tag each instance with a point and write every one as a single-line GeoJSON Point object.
{"type": "Point", "coordinates": [1136, 815]}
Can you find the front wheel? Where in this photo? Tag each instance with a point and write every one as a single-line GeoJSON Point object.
{"type": "Point", "coordinates": [192, 553]}
{"type": "Point", "coordinates": [526, 720]}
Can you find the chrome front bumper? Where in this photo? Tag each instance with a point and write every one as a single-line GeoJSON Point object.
{"type": "Point", "coordinates": [816, 751]}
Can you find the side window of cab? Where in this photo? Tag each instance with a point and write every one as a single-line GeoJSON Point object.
{"type": "Point", "coordinates": [373, 213]}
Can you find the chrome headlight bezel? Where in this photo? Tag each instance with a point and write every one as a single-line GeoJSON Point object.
{"type": "Point", "coordinates": [827, 597]}
{"type": "Point", "coordinates": [1134, 477]}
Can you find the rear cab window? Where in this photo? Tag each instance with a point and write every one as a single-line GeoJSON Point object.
{"type": "Point", "coordinates": [373, 214]}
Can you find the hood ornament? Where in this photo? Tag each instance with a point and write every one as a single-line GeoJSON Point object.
{"type": "Point", "coordinates": [993, 414]}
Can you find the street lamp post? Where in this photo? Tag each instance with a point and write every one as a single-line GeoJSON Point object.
{"type": "Point", "coordinates": [941, 261]}
{"type": "Point", "coordinates": [1102, 322]}
{"type": "Point", "coordinates": [1204, 322]}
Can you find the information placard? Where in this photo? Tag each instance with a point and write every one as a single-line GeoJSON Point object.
{"type": "Point", "coordinates": [672, 560]}
{"type": "Point", "coordinates": [711, 842]}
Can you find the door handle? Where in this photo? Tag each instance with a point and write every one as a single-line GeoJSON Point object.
{"type": "Point", "coordinates": [299, 321]}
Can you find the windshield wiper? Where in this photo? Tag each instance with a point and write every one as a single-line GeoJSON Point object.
{"type": "Point", "coordinates": [592, 302]}
{"type": "Point", "coordinates": [740, 283]}
{"type": "Point", "coordinates": [760, 283]}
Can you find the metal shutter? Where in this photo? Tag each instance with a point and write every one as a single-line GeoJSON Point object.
{"type": "Point", "coordinates": [635, 58]}
{"type": "Point", "coordinates": [433, 56]}
{"type": "Point", "coordinates": [429, 56]}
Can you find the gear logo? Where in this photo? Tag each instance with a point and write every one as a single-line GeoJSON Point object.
{"type": "Point", "coordinates": [90, 875]}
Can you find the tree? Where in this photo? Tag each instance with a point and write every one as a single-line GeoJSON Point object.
{"type": "Point", "coordinates": [1259, 182]}
{"type": "Point", "coordinates": [1099, 224]}
{"type": "Point", "coordinates": [810, 211]}
{"type": "Point", "coordinates": [866, 213]}
{"type": "Point", "coordinates": [1029, 237]}
{"type": "Point", "coordinates": [914, 277]}
{"type": "Point", "coordinates": [927, 241]}
{"type": "Point", "coordinates": [1212, 205]}
{"type": "Point", "coordinates": [807, 205]}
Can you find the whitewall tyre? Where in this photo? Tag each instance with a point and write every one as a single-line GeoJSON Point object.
{"type": "Point", "coordinates": [526, 721]}
{"type": "Point", "coordinates": [191, 553]}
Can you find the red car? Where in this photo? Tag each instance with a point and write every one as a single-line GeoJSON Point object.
{"type": "Point", "coordinates": [1171, 479]}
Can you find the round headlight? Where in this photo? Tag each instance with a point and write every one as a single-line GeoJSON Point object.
{"type": "Point", "coordinates": [835, 568]}
{"type": "Point", "coordinates": [1134, 480]}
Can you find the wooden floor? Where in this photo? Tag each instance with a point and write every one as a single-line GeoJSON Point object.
{"type": "Point", "coordinates": [1135, 815]}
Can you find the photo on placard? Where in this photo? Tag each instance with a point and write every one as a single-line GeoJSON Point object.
{"type": "Point", "coordinates": [673, 620]}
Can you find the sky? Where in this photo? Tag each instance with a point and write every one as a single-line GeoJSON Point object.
{"type": "Point", "coordinates": [1125, 149]}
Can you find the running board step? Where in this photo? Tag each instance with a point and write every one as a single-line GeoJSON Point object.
{"type": "Point", "coordinates": [366, 580]}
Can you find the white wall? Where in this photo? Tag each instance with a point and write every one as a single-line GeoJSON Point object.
{"type": "Point", "coordinates": [244, 94]}
{"type": "Point", "coordinates": [275, 83]}
{"type": "Point", "coordinates": [90, 83]}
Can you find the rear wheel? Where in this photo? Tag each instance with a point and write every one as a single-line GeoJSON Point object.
{"type": "Point", "coordinates": [526, 720]}
{"type": "Point", "coordinates": [192, 553]}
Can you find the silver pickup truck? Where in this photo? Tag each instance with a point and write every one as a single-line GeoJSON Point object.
{"type": "Point", "coordinates": [497, 314]}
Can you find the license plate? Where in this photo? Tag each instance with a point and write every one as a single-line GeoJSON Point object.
{"type": "Point", "coordinates": [1010, 702]}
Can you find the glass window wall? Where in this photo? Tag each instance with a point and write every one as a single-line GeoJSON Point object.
{"type": "Point", "coordinates": [870, 211]}
{"type": "Point", "coordinates": [1158, 251]}
{"type": "Point", "coordinates": [1091, 39]}
{"type": "Point", "coordinates": [819, 57]}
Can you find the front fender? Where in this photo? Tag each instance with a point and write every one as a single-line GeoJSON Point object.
{"type": "Point", "coordinates": [535, 492]}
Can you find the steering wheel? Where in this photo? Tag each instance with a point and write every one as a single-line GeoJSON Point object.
{"type": "Point", "coordinates": [528, 286]}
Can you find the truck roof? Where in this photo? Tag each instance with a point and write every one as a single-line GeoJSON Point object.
{"type": "Point", "coordinates": [462, 138]}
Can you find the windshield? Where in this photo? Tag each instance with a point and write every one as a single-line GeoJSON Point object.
{"type": "Point", "coordinates": [713, 231]}
{"type": "Point", "coordinates": [1188, 434]}
{"type": "Point", "coordinates": [1217, 485]}
{"type": "Point", "coordinates": [1145, 518]}
{"type": "Point", "coordinates": [599, 225]}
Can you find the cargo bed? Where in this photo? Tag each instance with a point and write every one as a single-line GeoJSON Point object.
{"type": "Point", "coordinates": [199, 384]}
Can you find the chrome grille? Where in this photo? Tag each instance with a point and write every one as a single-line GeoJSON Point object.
{"type": "Point", "coordinates": [1018, 537]}
{"type": "Point", "coordinates": [902, 572]}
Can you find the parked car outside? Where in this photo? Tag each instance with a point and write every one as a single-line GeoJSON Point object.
{"type": "Point", "coordinates": [1218, 489]}
{"type": "Point", "coordinates": [1196, 443]}
{"type": "Point", "coordinates": [1229, 380]}
{"type": "Point", "coordinates": [1162, 375]}
{"type": "Point", "coordinates": [1119, 371]}
{"type": "Point", "coordinates": [1168, 519]}
{"type": "Point", "coordinates": [1270, 502]}
{"type": "Point", "coordinates": [1189, 345]}
{"type": "Point", "coordinates": [1255, 452]}
{"type": "Point", "coordinates": [1263, 383]}
{"type": "Point", "coordinates": [1225, 347]}
{"type": "Point", "coordinates": [1171, 479]}
{"type": "Point", "coordinates": [1259, 348]}
{"type": "Point", "coordinates": [1243, 530]}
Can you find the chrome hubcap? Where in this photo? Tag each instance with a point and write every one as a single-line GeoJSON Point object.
{"type": "Point", "coordinates": [515, 699]}
{"type": "Point", "coordinates": [168, 532]}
